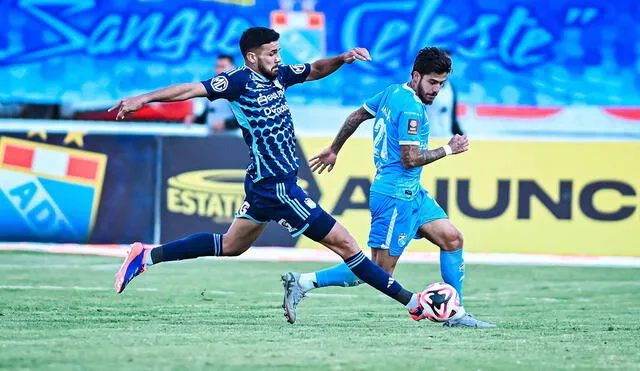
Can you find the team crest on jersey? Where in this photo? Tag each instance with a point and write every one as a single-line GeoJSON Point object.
{"type": "Point", "coordinates": [219, 83]}
{"type": "Point", "coordinates": [412, 127]}
{"type": "Point", "coordinates": [283, 223]}
{"type": "Point", "coordinates": [309, 202]}
{"type": "Point", "coordinates": [297, 68]}
{"type": "Point", "coordinates": [402, 239]}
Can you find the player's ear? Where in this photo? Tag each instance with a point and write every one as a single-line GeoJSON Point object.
{"type": "Point", "coordinates": [252, 57]}
{"type": "Point", "coordinates": [415, 76]}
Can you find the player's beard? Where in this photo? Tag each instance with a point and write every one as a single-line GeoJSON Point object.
{"type": "Point", "coordinates": [264, 71]}
{"type": "Point", "coordinates": [424, 97]}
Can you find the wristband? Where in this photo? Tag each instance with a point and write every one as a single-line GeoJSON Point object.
{"type": "Point", "coordinates": [447, 150]}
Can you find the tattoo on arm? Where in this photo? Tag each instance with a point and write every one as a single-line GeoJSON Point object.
{"type": "Point", "coordinates": [412, 157]}
{"type": "Point", "coordinates": [349, 127]}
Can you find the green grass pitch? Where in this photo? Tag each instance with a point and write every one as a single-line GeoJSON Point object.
{"type": "Point", "coordinates": [59, 312]}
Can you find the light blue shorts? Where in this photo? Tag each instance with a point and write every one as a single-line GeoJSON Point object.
{"type": "Point", "coordinates": [394, 222]}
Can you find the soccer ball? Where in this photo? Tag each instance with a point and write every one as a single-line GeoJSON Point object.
{"type": "Point", "coordinates": [440, 302]}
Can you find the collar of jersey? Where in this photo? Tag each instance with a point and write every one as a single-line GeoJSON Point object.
{"type": "Point", "coordinates": [415, 96]}
{"type": "Point", "coordinates": [257, 74]}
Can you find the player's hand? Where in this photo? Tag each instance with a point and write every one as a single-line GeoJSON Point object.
{"type": "Point", "coordinates": [127, 106]}
{"type": "Point", "coordinates": [323, 160]}
{"type": "Point", "coordinates": [361, 54]}
{"type": "Point", "coordinates": [459, 144]}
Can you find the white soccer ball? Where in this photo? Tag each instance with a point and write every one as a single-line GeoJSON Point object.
{"type": "Point", "coordinates": [440, 302]}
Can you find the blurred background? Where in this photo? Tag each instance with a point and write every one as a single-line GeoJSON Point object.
{"type": "Point", "coordinates": [547, 91]}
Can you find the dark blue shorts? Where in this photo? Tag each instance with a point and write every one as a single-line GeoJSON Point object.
{"type": "Point", "coordinates": [281, 199]}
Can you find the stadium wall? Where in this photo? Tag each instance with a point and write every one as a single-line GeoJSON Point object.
{"type": "Point", "coordinates": [560, 197]}
{"type": "Point", "coordinates": [542, 196]}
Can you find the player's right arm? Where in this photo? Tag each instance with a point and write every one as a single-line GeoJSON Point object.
{"type": "Point", "coordinates": [412, 156]}
{"type": "Point", "coordinates": [171, 93]}
{"type": "Point", "coordinates": [328, 157]}
{"type": "Point", "coordinates": [228, 85]}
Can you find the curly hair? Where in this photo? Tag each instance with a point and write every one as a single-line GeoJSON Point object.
{"type": "Point", "coordinates": [432, 60]}
{"type": "Point", "coordinates": [255, 37]}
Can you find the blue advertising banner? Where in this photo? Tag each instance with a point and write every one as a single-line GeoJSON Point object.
{"type": "Point", "coordinates": [76, 188]}
{"type": "Point", "coordinates": [546, 52]}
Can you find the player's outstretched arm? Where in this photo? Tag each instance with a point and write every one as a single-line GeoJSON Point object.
{"type": "Point", "coordinates": [412, 156]}
{"type": "Point", "coordinates": [172, 93]}
{"type": "Point", "coordinates": [326, 66]}
{"type": "Point", "coordinates": [328, 157]}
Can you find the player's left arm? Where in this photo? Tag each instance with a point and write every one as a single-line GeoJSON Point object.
{"type": "Point", "coordinates": [326, 66]}
{"type": "Point", "coordinates": [412, 156]}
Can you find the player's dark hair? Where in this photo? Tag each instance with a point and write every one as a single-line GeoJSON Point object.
{"type": "Point", "coordinates": [432, 60]}
{"type": "Point", "coordinates": [226, 56]}
{"type": "Point", "coordinates": [254, 37]}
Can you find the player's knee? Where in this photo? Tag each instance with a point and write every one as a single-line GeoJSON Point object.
{"type": "Point", "coordinates": [453, 240]}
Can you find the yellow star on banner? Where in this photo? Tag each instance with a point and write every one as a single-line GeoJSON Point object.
{"type": "Point", "coordinates": [74, 137]}
{"type": "Point", "coordinates": [41, 134]}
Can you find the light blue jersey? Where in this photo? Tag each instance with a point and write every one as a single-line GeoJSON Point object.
{"type": "Point", "coordinates": [400, 119]}
{"type": "Point", "coordinates": [398, 203]}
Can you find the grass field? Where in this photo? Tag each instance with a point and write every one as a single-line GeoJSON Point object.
{"type": "Point", "coordinates": [61, 313]}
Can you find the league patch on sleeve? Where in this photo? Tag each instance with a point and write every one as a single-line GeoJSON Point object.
{"type": "Point", "coordinates": [219, 83]}
{"type": "Point", "coordinates": [412, 127]}
{"type": "Point", "coordinates": [297, 68]}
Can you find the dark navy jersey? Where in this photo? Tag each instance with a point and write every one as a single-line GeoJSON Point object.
{"type": "Point", "coordinates": [263, 114]}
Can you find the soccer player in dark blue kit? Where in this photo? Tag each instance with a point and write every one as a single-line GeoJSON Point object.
{"type": "Point", "coordinates": [256, 92]}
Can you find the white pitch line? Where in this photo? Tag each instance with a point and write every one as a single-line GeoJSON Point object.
{"type": "Point", "coordinates": [64, 288]}
{"type": "Point", "coordinates": [324, 255]}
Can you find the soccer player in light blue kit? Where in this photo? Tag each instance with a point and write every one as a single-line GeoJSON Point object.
{"type": "Point", "coordinates": [400, 208]}
{"type": "Point", "coordinates": [257, 95]}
